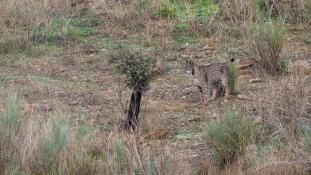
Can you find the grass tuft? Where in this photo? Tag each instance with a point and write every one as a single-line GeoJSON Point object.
{"type": "Point", "coordinates": [229, 137]}
{"type": "Point", "coordinates": [52, 145]}
{"type": "Point", "coordinates": [233, 76]}
{"type": "Point", "coordinates": [268, 43]}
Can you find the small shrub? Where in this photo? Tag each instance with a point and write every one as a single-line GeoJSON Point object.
{"type": "Point", "coordinates": [268, 43]}
{"type": "Point", "coordinates": [138, 69]}
{"type": "Point", "coordinates": [167, 11]}
{"type": "Point", "coordinates": [229, 137]}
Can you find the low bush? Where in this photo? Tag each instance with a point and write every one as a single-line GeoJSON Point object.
{"type": "Point", "coordinates": [229, 137]}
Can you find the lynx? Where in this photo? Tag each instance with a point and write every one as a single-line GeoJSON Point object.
{"type": "Point", "coordinates": [208, 79]}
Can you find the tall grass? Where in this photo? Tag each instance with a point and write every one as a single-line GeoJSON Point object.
{"type": "Point", "coordinates": [22, 21]}
{"type": "Point", "coordinates": [10, 124]}
{"type": "Point", "coordinates": [30, 145]}
{"type": "Point", "coordinates": [51, 146]}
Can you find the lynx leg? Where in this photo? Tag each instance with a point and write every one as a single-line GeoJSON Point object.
{"type": "Point", "coordinates": [214, 93]}
{"type": "Point", "coordinates": [227, 90]}
{"type": "Point", "coordinates": [206, 94]}
{"type": "Point", "coordinates": [201, 93]}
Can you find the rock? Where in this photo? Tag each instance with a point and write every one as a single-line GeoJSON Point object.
{"type": "Point", "coordinates": [258, 119]}
{"type": "Point", "coordinates": [200, 55]}
{"type": "Point", "coordinates": [104, 51]}
{"type": "Point", "coordinates": [91, 121]}
{"type": "Point", "coordinates": [251, 148]}
{"type": "Point", "coordinates": [255, 80]}
{"type": "Point", "coordinates": [242, 97]}
{"type": "Point", "coordinates": [75, 102]}
{"type": "Point", "coordinates": [299, 67]}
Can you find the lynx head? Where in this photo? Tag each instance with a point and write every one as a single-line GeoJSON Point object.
{"type": "Point", "coordinates": [189, 66]}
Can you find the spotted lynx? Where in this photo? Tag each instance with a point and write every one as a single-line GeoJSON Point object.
{"type": "Point", "coordinates": [208, 79]}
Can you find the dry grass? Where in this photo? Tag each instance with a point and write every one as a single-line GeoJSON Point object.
{"type": "Point", "coordinates": [268, 41]}
{"type": "Point", "coordinates": [49, 142]}
{"type": "Point", "coordinates": [23, 21]}
{"type": "Point", "coordinates": [38, 146]}
{"type": "Point", "coordinates": [285, 114]}
{"type": "Point", "coordinates": [239, 10]}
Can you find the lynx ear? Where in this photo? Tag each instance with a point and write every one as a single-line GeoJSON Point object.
{"type": "Point", "coordinates": [188, 61]}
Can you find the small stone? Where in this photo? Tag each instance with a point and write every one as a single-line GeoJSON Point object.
{"type": "Point", "coordinates": [200, 55]}
{"type": "Point", "coordinates": [103, 50]}
{"type": "Point", "coordinates": [157, 134]}
{"type": "Point", "coordinates": [91, 121]}
{"type": "Point", "coordinates": [73, 102]}
{"type": "Point", "coordinates": [258, 119]}
{"type": "Point", "coordinates": [242, 97]}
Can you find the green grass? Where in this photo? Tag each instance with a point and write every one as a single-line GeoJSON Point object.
{"type": "Point", "coordinates": [186, 14]}
{"type": "Point", "coordinates": [188, 11]}
{"type": "Point", "coordinates": [69, 28]}
{"type": "Point", "coordinates": [284, 64]}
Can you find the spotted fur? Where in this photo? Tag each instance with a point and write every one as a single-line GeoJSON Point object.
{"type": "Point", "coordinates": [209, 79]}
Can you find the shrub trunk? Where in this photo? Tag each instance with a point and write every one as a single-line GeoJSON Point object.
{"type": "Point", "coordinates": [134, 109]}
